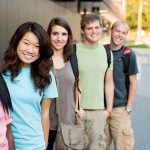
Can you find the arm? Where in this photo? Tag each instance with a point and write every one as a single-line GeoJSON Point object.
{"type": "Point", "coordinates": [10, 137]}
{"type": "Point", "coordinates": [132, 90]}
{"type": "Point", "coordinates": [45, 106]}
{"type": "Point", "coordinates": [109, 89]}
{"type": "Point", "coordinates": [78, 91]}
{"type": "Point", "coordinates": [78, 94]}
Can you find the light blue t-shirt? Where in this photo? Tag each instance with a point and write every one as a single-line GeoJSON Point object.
{"type": "Point", "coordinates": [26, 114]}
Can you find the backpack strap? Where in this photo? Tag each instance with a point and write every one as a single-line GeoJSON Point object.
{"type": "Point", "coordinates": [74, 63]}
{"type": "Point", "coordinates": [108, 54]}
{"type": "Point", "coordinates": [126, 61]}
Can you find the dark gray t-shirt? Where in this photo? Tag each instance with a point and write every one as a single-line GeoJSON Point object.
{"type": "Point", "coordinates": [120, 95]}
{"type": "Point", "coordinates": [66, 91]}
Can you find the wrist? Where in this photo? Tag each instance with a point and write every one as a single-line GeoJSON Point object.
{"type": "Point", "coordinates": [128, 110]}
{"type": "Point", "coordinates": [108, 112]}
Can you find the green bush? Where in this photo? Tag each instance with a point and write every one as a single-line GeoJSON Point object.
{"type": "Point", "coordinates": [139, 46]}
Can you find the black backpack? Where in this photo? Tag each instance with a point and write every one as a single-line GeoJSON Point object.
{"type": "Point", "coordinates": [126, 61]}
{"type": "Point", "coordinates": [125, 58]}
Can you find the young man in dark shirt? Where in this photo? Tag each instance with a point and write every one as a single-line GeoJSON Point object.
{"type": "Point", "coordinates": [118, 126]}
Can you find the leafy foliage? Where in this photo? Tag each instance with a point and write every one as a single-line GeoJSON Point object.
{"type": "Point", "coordinates": [139, 46]}
{"type": "Point", "coordinates": [132, 14]}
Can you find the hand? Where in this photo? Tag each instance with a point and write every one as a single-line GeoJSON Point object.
{"type": "Point", "coordinates": [80, 112]}
{"type": "Point", "coordinates": [107, 113]}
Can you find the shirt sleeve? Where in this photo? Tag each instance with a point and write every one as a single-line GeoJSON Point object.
{"type": "Point", "coordinates": [8, 119]}
{"type": "Point", "coordinates": [133, 67]}
{"type": "Point", "coordinates": [51, 90]}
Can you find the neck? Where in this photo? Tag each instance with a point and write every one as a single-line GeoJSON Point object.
{"type": "Point", "coordinates": [115, 47]}
{"type": "Point", "coordinates": [90, 44]}
{"type": "Point", "coordinates": [58, 53]}
{"type": "Point", "coordinates": [58, 59]}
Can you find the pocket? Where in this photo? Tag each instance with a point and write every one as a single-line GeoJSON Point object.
{"type": "Point", "coordinates": [128, 139]}
{"type": "Point", "coordinates": [102, 141]}
{"type": "Point", "coordinates": [74, 136]}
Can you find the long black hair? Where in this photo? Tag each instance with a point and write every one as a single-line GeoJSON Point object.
{"type": "Point", "coordinates": [41, 67]}
{"type": "Point", "coordinates": [4, 95]}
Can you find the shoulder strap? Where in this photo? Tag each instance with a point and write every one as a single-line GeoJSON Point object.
{"type": "Point", "coordinates": [108, 54]}
{"type": "Point", "coordinates": [74, 63]}
{"type": "Point", "coordinates": [126, 59]}
{"type": "Point", "coordinates": [126, 62]}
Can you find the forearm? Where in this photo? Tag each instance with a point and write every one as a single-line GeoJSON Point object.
{"type": "Point", "coordinates": [109, 90]}
{"type": "Point", "coordinates": [131, 96]}
{"type": "Point", "coordinates": [46, 127]}
{"type": "Point", "coordinates": [78, 95]}
{"type": "Point", "coordinates": [10, 138]}
{"type": "Point", "coordinates": [109, 95]}
{"type": "Point", "coordinates": [132, 91]}
{"type": "Point", "coordinates": [45, 118]}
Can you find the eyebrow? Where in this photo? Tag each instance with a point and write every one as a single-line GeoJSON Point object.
{"type": "Point", "coordinates": [30, 42]}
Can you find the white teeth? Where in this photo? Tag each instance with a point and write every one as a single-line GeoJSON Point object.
{"type": "Point", "coordinates": [28, 57]}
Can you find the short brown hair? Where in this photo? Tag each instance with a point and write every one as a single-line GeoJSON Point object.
{"type": "Point", "coordinates": [88, 18]}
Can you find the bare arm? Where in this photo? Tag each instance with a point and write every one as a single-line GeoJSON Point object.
{"type": "Point", "coordinates": [78, 93]}
{"type": "Point", "coordinates": [109, 89]}
{"type": "Point", "coordinates": [132, 90]}
{"type": "Point", "coordinates": [10, 138]}
{"type": "Point", "coordinates": [45, 105]}
{"type": "Point", "coordinates": [79, 111]}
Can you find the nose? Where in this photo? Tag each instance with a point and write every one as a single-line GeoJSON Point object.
{"type": "Point", "coordinates": [93, 30]}
{"type": "Point", "coordinates": [30, 49]}
{"type": "Point", "coordinates": [59, 37]}
{"type": "Point", "coordinates": [120, 33]}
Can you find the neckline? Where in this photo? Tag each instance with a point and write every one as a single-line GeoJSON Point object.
{"type": "Point", "coordinates": [62, 67]}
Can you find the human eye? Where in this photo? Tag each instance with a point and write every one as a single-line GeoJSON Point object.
{"type": "Point", "coordinates": [54, 33]}
{"type": "Point", "coordinates": [97, 27]}
{"type": "Point", "coordinates": [37, 46]}
{"type": "Point", "coordinates": [25, 43]}
{"type": "Point", "coordinates": [64, 34]}
{"type": "Point", "coordinates": [117, 31]}
{"type": "Point", "coordinates": [124, 33]}
{"type": "Point", "coordinates": [89, 28]}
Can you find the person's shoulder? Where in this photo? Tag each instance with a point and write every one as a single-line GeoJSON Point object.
{"type": "Point", "coordinates": [79, 44]}
{"type": "Point", "coordinates": [130, 51]}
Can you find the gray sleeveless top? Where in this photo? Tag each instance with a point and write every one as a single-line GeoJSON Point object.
{"type": "Point", "coordinates": [66, 97]}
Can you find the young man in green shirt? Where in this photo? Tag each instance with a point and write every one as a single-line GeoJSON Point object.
{"type": "Point", "coordinates": [94, 79]}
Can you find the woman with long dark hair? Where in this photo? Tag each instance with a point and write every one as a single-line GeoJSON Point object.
{"type": "Point", "coordinates": [61, 40]}
{"type": "Point", "coordinates": [27, 64]}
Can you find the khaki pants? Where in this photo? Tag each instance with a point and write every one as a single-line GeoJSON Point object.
{"type": "Point", "coordinates": [94, 122]}
{"type": "Point", "coordinates": [118, 128]}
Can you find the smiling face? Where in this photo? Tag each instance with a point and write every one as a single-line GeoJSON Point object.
{"type": "Point", "coordinates": [92, 32]}
{"type": "Point", "coordinates": [118, 34]}
{"type": "Point", "coordinates": [28, 49]}
{"type": "Point", "coordinates": [59, 37]}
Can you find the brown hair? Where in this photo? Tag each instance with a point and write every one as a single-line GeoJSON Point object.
{"type": "Point", "coordinates": [41, 67]}
{"type": "Point", "coordinates": [63, 23]}
{"type": "Point", "coordinates": [88, 18]}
